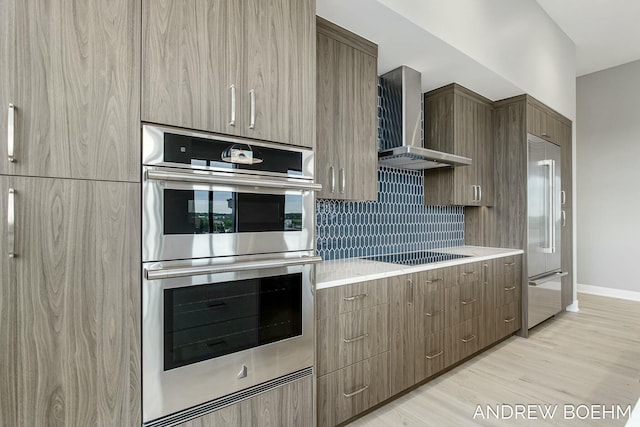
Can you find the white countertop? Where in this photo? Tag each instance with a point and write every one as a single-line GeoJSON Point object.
{"type": "Point", "coordinates": [352, 270]}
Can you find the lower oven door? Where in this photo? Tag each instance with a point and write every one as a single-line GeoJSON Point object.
{"type": "Point", "coordinates": [214, 327]}
{"type": "Point", "coordinates": [199, 214]}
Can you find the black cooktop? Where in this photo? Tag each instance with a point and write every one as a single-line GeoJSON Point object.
{"type": "Point", "coordinates": [415, 258]}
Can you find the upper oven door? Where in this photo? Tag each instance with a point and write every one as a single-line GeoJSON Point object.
{"type": "Point", "coordinates": [199, 214]}
{"type": "Point", "coordinates": [212, 327]}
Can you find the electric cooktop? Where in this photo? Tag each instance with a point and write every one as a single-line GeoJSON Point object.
{"type": "Point", "coordinates": [415, 258]}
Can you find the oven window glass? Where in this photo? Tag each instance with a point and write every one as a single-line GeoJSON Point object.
{"type": "Point", "coordinates": [212, 212]}
{"type": "Point", "coordinates": [207, 321]}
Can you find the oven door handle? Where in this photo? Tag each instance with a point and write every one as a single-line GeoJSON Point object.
{"type": "Point", "coordinates": [162, 175]}
{"type": "Point", "coordinates": [171, 273]}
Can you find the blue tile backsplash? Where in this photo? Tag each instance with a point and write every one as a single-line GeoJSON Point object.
{"type": "Point", "coordinates": [397, 222]}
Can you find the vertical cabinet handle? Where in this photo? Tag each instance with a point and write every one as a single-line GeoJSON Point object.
{"type": "Point", "coordinates": [410, 296]}
{"type": "Point", "coordinates": [564, 218]}
{"type": "Point", "coordinates": [343, 180]}
{"type": "Point", "coordinates": [563, 197]}
{"type": "Point", "coordinates": [479, 193]}
{"type": "Point", "coordinates": [332, 186]}
{"type": "Point", "coordinates": [252, 99]}
{"type": "Point", "coordinates": [475, 192]}
{"type": "Point", "coordinates": [232, 120]}
{"type": "Point", "coordinates": [11, 132]}
{"type": "Point", "coordinates": [11, 222]}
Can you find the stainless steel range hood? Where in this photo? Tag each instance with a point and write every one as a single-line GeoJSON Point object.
{"type": "Point", "coordinates": [400, 139]}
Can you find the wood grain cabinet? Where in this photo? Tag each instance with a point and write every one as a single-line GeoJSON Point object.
{"type": "Point", "coordinates": [345, 393]}
{"type": "Point", "coordinates": [402, 331]}
{"type": "Point", "coordinates": [240, 68]}
{"type": "Point", "coordinates": [71, 295]}
{"type": "Point", "coordinates": [70, 89]}
{"type": "Point", "coordinates": [346, 150]}
{"type": "Point", "coordinates": [459, 121]}
{"type": "Point", "coordinates": [431, 311]}
{"type": "Point", "coordinates": [353, 357]}
{"type": "Point", "coordinates": [287, 405]}
{"type": "Point", "coordinates": [506, 283]}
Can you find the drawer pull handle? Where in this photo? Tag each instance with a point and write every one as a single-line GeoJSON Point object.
{"type": "Point", "coordinates": [468, 339]}
{"type": "Point", "coordinates": [433, 356]}
{"type": "Point", "coordinates": [432, 281]}
{"type": "Point", "coordinates": [347, 395]}
{"type": "Point", "coordinates": [355, 297]}
{"type": "Point", "coordinates": [468, 273]}
{"type": "Point", "coordinates": [510, 289]}
{"type": "Point", "coordinates": [433, 313]}
{"type": "Point", "coordinates": [469, 301]}
{"type": "Point", "coordinates": [11, 222]}
{"type": "Point", "coordinates": [509, 264]}
{"type": "Point", "coordinates": [509, 320]}
{"type": "Point", "coordinates": [350, 340]}
{"type": "Point", "coordinates": [11, 133]}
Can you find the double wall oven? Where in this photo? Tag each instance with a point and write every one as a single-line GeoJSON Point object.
{"type": "Point", "coordinates": [228, 270]}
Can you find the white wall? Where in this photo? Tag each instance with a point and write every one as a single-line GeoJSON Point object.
{"type": "Point", "coordinates": [608, 178]}
{"type": "Point", "coordinates": [515, 39]}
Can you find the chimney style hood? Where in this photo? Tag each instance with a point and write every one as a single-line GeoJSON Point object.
{"type": "Point", "coordinates": [400, 141]}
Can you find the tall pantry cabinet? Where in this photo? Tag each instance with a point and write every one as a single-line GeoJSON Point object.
{"type": "Point", "coordinates": [69, 210]}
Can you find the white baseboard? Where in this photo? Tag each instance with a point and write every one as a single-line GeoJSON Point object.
{"type": "Point", "coordinates": [609, 292]}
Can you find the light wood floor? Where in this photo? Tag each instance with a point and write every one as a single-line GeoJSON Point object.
{"type": "Point", "coordinates": [590, 357]}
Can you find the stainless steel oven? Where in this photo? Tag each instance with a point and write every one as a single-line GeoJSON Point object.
{"type": "Point", "coordinates": [212, 327]}
{"type": "Point", "coordinates": [209, 196]}
{"type": "Point", "coordinates": [228, 270]}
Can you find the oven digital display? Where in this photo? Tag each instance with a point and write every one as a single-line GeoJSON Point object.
{"type": "Point", "coordinates": [207, 321]}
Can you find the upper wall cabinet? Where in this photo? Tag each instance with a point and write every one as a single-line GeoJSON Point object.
{"type": "Point", "coordinates": [243, 68]}
{"type": "Point", "coordinates": [346, 154]}
{"type": "Point", "coordinates": [70, 89]}
{"type": "Point", "coordinates": [459, 121]}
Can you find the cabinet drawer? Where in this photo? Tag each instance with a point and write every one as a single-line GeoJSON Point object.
{"type": "Point", "coordinates": [509, 280]}
{"type": "Point", "coordinates": [346, 393]}
{"type": "Point", "coordinates": [464, 302]}
{"type": "Point", "coordinates": [431, 355]}
{"type": "Point", "coordinates": [430, 302]}
{"type": "Point", "coordinates": [469, 273]}
{"type": "Point", "coordinates": [507, 318]}
{"type": "Point", "coordinates": [462, 340]}
{"type": "Point", "coordinates": [342, 299]}
{"type": "Point", "coordinates": [351, 337]}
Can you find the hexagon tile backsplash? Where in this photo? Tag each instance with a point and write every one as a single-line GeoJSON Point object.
{"type": "Point", "coordinates": [397, 222]}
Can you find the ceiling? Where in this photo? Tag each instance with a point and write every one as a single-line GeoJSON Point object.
{"type": "Point", "coordinates": [401, 42]}
{"type": "Point", "coordinates": [606, 33]}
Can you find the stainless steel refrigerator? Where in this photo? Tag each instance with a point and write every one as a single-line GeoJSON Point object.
{"type": "Point", "coordinates": [544, 234]}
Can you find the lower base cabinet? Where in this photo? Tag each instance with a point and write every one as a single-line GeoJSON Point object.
{"type": "Point", "coordinates": [347, 392]}
{"type": "Point", "coordinates": [436, 318]}
{"type": "Point", "coordinates": [287, 405]}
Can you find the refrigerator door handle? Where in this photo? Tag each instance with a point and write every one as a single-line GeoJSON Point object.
{"type": "Point", "coordinates": [551, 232]}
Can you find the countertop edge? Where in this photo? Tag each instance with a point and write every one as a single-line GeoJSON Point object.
{"type": "Point", "coordinates": [415, 269]}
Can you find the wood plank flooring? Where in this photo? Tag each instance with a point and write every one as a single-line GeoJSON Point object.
{"type": "Point", "coordinates": [590, 357]}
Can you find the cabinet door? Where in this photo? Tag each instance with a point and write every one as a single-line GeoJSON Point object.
{"type": "Point", "coordinates": [402, 330]}
{"type": "Point", "coordinates": [489, 290]}
{"type": "Point", "coordinates": [359, 163]}
{"type": "Point", "coordinates": [8, 313]}
{"type": "Point", "coordinates": [75, 84]}
{"type": "Point", "coordinates": [484, 156]}
{"type": "Point", "coordinates": [327, 148]}
{"type": "Point", "coordinates": [465, 145]}
{"type": "Point", "coordinates": [280, 58]}
{"type": "Point", "coordinates": [77, 282]}
{"type": "Point", "coordinates": [193, 64]}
